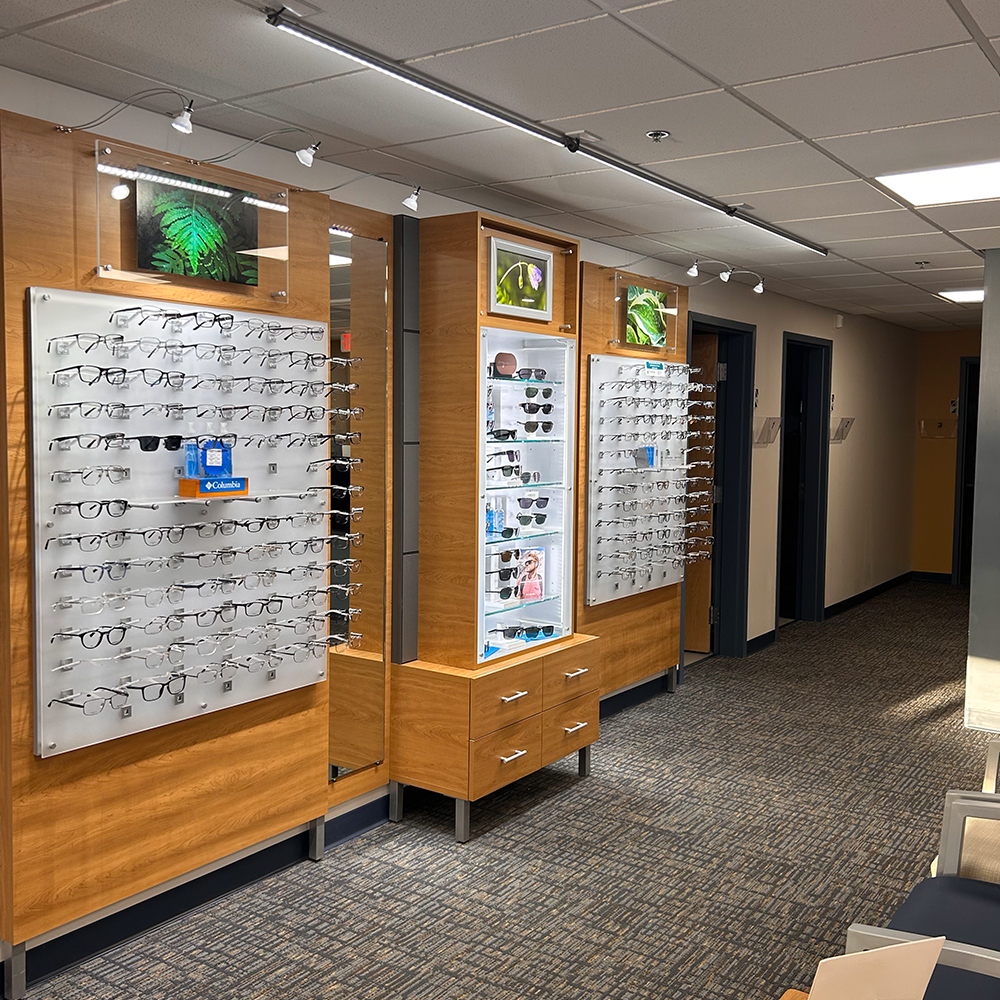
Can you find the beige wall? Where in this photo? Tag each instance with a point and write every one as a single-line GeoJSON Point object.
{"type": "Point", "coordinates": [870, 517]}
{"type": "Point", "coordinates": [934, 507]}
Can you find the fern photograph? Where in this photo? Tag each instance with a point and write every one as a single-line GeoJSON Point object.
{"type": "Point", "coordinates": [180, 231]}
{"type": "Point", "coordinates": [648, 317]}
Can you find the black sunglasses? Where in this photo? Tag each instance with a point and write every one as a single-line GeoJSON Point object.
{"type": "Point", "coordinates": [525, 373]}
{"type": "Point", "coordinates": [532, 425]}
{"type": "Point", "coordinates": [504, 574]}
{"type": "Point", "coordinates": [527, 518]}
{"type": "Point", "coordinates": [535, 407]}
{"type": "Point", "coordinates": [539, 502]}
{"type": "Point", "coordinates": [533, 390]}
{"type": "Point", "coordinates": [510, 554]}
{"type": "Point", "coordinates": [502, 434]}
{"type": "Point", "coordinates": [505, 593]}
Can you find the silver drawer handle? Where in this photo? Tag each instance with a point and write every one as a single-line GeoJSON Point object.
{"type": "Point", "coordinates": [578, 673]}
{"type": "Point", "coordinates": [573, 729]}
{"type": "Point", "coordinates": [515, 755]}
{"type": "Point", "coordinates": [507, 699]}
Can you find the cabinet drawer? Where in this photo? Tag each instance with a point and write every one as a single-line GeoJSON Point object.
{"type": "Point", "coordinates": [569, 727]}
{"type": "Point", "coordinates": [569, 673]}
{"type": "Point", "coordinates": [504, 756]}
{"type": "Point", "coordinates": [505, 696]}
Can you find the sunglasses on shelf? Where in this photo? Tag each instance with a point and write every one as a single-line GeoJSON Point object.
{"type": "Point", "coordinates": [509, 532]}
{"type": "Point", "coordinates": [502, 434]}
{"type": "Point", "coordinates": [546, 408]}
{"type": "Point", "coordinates": [527, 518]}
{"type": "Point", "coordinates": [504, 574]}
{"type": "Point", "coordinates": [533, 425]}
{"type": "Point", "coordinates": [506, 470]}
{"type": "Point", "coordinates": [512, 455]}
{"type": "Point", "coordinates": [505, 593]}
{"type": "Point", "coordinates": [539, 502]}
{"type": "Point", "coordinates": [525, 631]}
{"type": "Point", "coordinates": [529, 373]}
{"type": "Point", "coordinates": [509, 554]}
{"type": "Point", "coordinates": [533, 390]}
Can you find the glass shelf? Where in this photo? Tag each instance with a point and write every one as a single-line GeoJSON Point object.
{"type": "Point", "coordinates": [521, 538]}
{"type": "Point", "coordinates": [528, 486]}
{"type": "Point", "coordinates": [522, 642]}
{"type": "Point", "coordinates": [518, 605]}
{"type": "Point", "coordinates": [493, 441]}
{"type": "Point", "coordinates": [494, 380]}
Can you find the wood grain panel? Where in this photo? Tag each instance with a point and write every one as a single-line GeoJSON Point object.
{"type": "Point", "coordinates": [449, 453]}
{"type": "Point", "coordinates": [487, 769]}
{"type": "Point", "coordinates": [154, 805]}
{"type": "Point", "coordinates": [562, 732]}
{"type": "Point", "coordinates": [570, 672]}
{"type": "Point", "coordinates": [489, 711]}
{"type": "Point", "coordinates": [698, 575]}
{"type": "Point", "coordinates": [429, 727]}
{"type": "Point", "coordinates": [794, 995]}
{"type": "Point", "coordinates": [357, 708]}
{"type": "Point", "coordinates": [640, 635]}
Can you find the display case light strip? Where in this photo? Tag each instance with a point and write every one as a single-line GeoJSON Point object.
{"type": "Point", "coordinates": [143, 175]}
{"type": "Point", "coordinates": [271, 206]}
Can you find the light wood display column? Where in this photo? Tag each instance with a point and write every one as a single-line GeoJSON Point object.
{"type": "Point", "coordinates": [468, 719]}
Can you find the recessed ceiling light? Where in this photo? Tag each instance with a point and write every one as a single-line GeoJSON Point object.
{"type": "Point", "coordinates": [964, 295]}
{"type": "Point", "coordinates": [658, 134]}
{"type": "Point", "coordinates": [947, 185]}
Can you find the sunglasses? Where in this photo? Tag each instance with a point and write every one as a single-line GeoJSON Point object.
{"type": "Point", "coordinates": [504, 574]}
{"type": "Point", "coordinates": [532, 391]}
{"type": "Point", "coordinates": [539, 502]}
{"type": "Point", "coordinates": [525, 631]}
{"type": "Point", "coordinates": [512, 455]}
{"type": "Point", "coordinates": [526, 373]}
{"type": "Point", "coordinates": [505, 593]}
{"type": "Point", "coordinates": [527, 518]}
{"type": "Point", "coordinates": [510, 554]}
{"type": "Point", "coordinates": [506, 532]}
{"type": "Point", "coordinates": [532, 425]}
{"type": "Point", "coordinates": [506, 470]}
{"type": "Point", "coordinates": [535, 407]}
{"type": "Point", "coordinates": [502, 434]}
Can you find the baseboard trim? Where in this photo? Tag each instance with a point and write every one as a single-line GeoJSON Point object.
{"type": "Point", "coordinates": [759, 642]}
{"type": "Point", "coordinates": [634, 694]}
{"type": "Point", "coordinates": [921, 577]}
{"type": "Point", "coordinates": [57, 953]}
{"type": "Point", "coordinates": [866, 595]}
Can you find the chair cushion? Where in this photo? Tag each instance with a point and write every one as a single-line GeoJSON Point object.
{"type": "Point", "coordinates": [961, 909]}
{"type": "Point", "coordinates": [957, 984]}
{"type": "Point", "coordinates": [981, 850]}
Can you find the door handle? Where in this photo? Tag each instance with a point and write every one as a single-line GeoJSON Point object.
{"type": "Point", "coordinates": [513, 756]}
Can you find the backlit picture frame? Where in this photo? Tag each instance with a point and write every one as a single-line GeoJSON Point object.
{"type": "Point", "coordinates": [520, 280]}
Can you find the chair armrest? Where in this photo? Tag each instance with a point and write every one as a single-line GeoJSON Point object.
{"type": "Point", "coordinates": [958, 807]}
{"type": "Point", "coordinates": [861, 937]}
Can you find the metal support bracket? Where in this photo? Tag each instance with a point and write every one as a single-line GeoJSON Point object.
{"type": "Point", "coordinates": [15, 983]}
{"type": "Point", "coordinates": [463, 816]}
{"type": "Point", "coordinates": [317, 838]}
{"type": "Point", "coordinates": [395, 801]}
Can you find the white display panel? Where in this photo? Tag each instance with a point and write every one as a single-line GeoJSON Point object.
{"type": "Point", "coordinates": [640, 480]}
{"type": "Point", "coordinates": [526, 475]}
{"type": "Point", "coordinates": [166, 584]}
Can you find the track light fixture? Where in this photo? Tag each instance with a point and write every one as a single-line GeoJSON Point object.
{"type": "Point", "coordinates": [726, 275]}
{"type": "Point", "coordinates": [284, 20]}
{"type": "Point", "coordinates": [304, 156]}
{"type": "Point", "coordinates": [411, 201]}
{"type": "Point", "coordinates": [182, 122]}
{"type": "Point", "coordinates": [759, 287]}
{"type": "Point", "coordinates": [693, 270]}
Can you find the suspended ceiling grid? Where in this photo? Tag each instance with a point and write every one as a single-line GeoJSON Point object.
{"type": "Point", "coordinates": [789, 108]}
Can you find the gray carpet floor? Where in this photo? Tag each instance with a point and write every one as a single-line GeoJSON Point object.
{"type": "Point", "coordinates": [729, 834]}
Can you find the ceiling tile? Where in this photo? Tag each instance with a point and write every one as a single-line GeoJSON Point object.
{"type": "Point", "coordinates": [248, 125]}
{"type": "Point", "coordinates": [19, 13]}
{"type": "Point", "coordinates": [750, 41]}
{"type": "Point", "coordinates": [497, 201]}
{"type": "Point", "coordinates": [971, 215]}
{"type": "Point", "coordinates": [720, 242]}
{"type": "Point", "coordinates": [637, 244]}
{"type": "Point", "coordinates": [211, 46]}
{"type": "Point", "coordinates": [987, 15]}
{"type": "Point", "coordinates": [920, 147]}
{"type": "Point", "coordinates": [866, 280]}
{"type": "Point", "coordinates": [894, 263]}
{"type": "Point", "coordinates": [816, 202]}
{"type": "Point", "coordinates": [921, 246]}
{"type": "Point", "coordinates": [676, 213]}
{"type": "Point", "coordinates": [699, 123]}
{"type": "Point", "coordinates": [900, 294]}
{"type": "Point", "coordinates": [592, 190]}
{"type": "Point", "coordinates": [589, 66]}
{"type": "Point", "coordinates": [900, 222]}
{"type": "Point", "coordinates": [370, 109]}
{"type": "Point", "coordinates": [502, 154]}
{"type": "Point", "coordinates": [944, 277]}
{"type": "Point", "coordinates": [839, 101]}
{"type": "Point", "coordinates": [790, 165]}
{"type": "Point", "coordinates": [788, 253]}
{"type": "Point", "coordinates": [981, 239]}
{"type": "Point", "coordinates": [942, 284]}
{"type": "Point", "coordinates": [817, 266]}
{"type": "Point", "coordinates": [566, 222]}
{"type": "Point", "coordinates": [374, 161]}
{"type": "Point", "coordinates": [381, 25]}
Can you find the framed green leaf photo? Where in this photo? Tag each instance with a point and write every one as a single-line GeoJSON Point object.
{"type": "Point", "coordinates": [521, 280]}
{"type": "Point", "coordinates": [185, 226]}
{"type": "Point", "coordinates": [649, 317]}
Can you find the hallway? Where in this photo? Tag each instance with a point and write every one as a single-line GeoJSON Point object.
{"type": "Point", "coordinates": [728, 836]}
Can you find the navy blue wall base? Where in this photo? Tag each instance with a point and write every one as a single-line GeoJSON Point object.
{"type": "Point", "coordinates": [633, 696]}
{"type": "Point", "coordinates": [76, 946]}
{"type": "Point", "coordinates": [867, 595]}
{"type": "Point", "coordinates": [759, 642]}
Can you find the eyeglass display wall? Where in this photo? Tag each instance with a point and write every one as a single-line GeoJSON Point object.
{"type": "Point", "coordinates": [150, 607]}
{"type": "Point", "coordinates": [526, 470]}
{"type": "Point", "coordinates": [645, 486]}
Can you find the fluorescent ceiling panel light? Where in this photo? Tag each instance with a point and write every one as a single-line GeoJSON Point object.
{"type": "Point", "coordinates": [965, 295]}
{"type": "Point", "coordinates": [338, 260]}
{"type": "Point", "coordinates": [947, 185]}
{"type": "Point", "coordinates": [144, 175]}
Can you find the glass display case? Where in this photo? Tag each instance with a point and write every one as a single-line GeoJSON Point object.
{"type": "Point", "coordinates": [526, 474]}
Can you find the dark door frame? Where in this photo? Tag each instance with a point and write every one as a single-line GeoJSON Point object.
{"type": "Point", "coordinates": [812, 551]}
{"type": "Point", "coordinates": [734, 431]}
{"type": "Point", "coordinates": [966, 364]}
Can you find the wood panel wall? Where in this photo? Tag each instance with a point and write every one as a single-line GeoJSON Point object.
{"type": "Point", "coordinates": [639, 635]}
{"type": "Point", "coordinates": [86, 829]}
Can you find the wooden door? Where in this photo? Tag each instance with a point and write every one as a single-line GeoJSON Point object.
{"type": "Point", "coordinates": [701, 447]}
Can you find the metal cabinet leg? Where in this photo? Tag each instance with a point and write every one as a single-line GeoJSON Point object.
{"type": "Point", "coordinates": [672, 680]}
{"type": "Point", "coordinates": [317, 838]}
{"type": "Point", "coordinates": [395, 801]}
{"type": "Point", "coordinates": [463, 815]}
{"type": "Point", "coordinates": [15, 982]}
{"type": "Point", "coordinates": [585, 761]}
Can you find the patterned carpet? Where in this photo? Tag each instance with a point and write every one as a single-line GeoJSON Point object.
{"type": "Point", "coordinates": [727, 837]}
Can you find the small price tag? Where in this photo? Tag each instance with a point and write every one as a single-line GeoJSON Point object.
{"type": "Point", "coordinates": [345, 342]}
